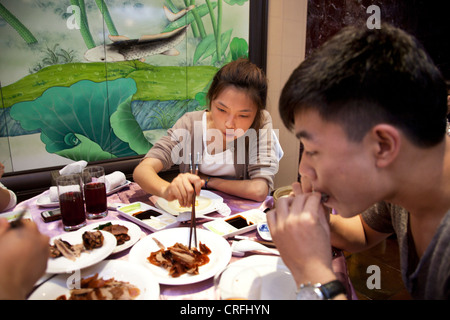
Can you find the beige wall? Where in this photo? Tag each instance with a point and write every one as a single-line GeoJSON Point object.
{"type": "Point", "coordinates": [286, 50]}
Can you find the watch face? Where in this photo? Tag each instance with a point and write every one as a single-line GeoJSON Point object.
{"type": "Point", "coordinates": [308, 293]}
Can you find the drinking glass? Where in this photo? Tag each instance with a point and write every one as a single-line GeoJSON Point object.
{"type": "Point", "coordinates": [237, 282]}
{"type": "Point", "coordinates": [95, 192]}
{"type": "Point", "coordinates": [70, 194]}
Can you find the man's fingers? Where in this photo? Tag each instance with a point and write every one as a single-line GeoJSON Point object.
{"type": "Point", "coordinates": [297, 189]}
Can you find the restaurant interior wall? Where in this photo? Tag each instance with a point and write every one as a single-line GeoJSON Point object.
{"type": "Point", "coordinates": [297, 27]}
{"type": "Point", "coordinates": [57, 107]}
{"type": "Point", "coordinates": [285, 51]}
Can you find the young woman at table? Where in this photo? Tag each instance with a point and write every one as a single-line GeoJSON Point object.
{"type": "Point", "coordinates": [238, 151]}
{"type": "Point", "coordinates": [370, 109]}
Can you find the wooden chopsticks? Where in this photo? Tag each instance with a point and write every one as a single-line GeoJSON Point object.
{"type": "Point", "coordinates": [193, 225]}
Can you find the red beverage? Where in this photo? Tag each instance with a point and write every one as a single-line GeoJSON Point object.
{"type": "Point", "coordinates": [95, 196]}
{"type": "Point", "coordinates": [72, 210]}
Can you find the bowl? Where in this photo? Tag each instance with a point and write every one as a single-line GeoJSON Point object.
{"type": "Point", "coordinates": [282, 192]}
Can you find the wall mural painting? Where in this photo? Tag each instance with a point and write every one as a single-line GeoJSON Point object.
{"type": "Point", "coordinates": [104, 79]}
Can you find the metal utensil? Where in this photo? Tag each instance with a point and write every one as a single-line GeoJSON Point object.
{"type": "Point", "coordinates": [240, 247]}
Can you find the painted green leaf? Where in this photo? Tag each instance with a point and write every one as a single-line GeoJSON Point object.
{"type": "Point", "coordinates": [225, 40]}
{"type": "Point", "coordinates": [127, 128]}
{"type": "Point", "coordinates": [86, 147]}
{"type": "Point", "coordinates": [205, 48]}
{"type": "Point", "coordinates": [238, 48]}
{"type": "Point", "coordinates": [201, 10]}
{"type": "Point", "coordinates": [238, 2]}
{"type": "Point", "coordinates": [84, 108]}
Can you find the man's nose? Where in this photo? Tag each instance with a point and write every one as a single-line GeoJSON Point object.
{"type": "Point", "coordinates": [306, 170]}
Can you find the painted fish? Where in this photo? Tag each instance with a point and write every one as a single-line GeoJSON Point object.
{"type": "Point", "coordinates": [124, 49]}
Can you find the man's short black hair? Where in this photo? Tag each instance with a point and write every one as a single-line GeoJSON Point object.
{"type": "Point", "coordinates": [363, 77]}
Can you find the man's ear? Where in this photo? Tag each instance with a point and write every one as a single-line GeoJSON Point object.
{"type": "Point", "coordinates": [387, 141]}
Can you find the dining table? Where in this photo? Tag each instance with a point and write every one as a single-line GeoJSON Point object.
{"type": "Point", "coordinates": [202, 290]}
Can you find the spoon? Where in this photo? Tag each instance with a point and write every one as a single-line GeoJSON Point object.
{"type": "Point", "coordinates": [240, 247]}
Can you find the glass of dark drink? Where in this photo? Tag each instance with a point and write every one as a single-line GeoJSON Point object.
{"type": "Point", "coordinates": [95, 192]}
{"type": "Point", "coordinates": [70, 193]}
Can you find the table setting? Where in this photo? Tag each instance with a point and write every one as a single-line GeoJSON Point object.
{"type": "Point", "coordinates": [165, 225]}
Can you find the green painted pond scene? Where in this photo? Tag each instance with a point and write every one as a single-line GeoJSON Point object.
{"type": "Point", "coordinates": [95, 80]}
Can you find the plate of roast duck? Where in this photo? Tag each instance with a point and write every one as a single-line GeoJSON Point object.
{"type": "Point", "coordinates": [126, 233]}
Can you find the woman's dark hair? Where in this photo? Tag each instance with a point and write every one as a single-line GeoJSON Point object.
{"type": "Point", "coordinates": [243, 75]}
{"type": "Point", "coordinates": [363, 77]}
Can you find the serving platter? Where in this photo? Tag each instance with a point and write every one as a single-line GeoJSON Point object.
{"type": "Point", "coordinates": [219, 257]}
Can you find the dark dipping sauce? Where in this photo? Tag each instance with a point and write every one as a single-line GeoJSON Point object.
{"type": "Point", "coordinates": [146, 214]}
{"type": "Point", "coordinates": [239, 222]}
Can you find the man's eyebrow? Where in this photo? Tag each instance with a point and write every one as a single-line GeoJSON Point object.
{"type": "Point", "coordinates": [303, 135]}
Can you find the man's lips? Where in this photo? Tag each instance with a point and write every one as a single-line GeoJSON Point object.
{"type": "Point", "coordinates": [324, 197]}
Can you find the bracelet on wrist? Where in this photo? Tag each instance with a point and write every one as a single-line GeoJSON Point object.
{"type": "Point", "coordinates": [206, 182]}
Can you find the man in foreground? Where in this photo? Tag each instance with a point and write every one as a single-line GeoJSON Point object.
{"type": "Point", "coordinates": [370, 109]}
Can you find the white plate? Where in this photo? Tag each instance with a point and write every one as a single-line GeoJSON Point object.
{"type": "Point", "coordinates": [276, 283]}
{"type": "Point", "coordinates": [207, 202]}
{"type": "Point", "coordinates": [117, 269]}
{"type": "Point", "coordinates": [133, 231]}
{"type": "Point", "coordinates": [163, 221]}
{"type": "Point", "coordinates": [86, 259]}
{"type": "Point", "coordinates": [218, 258]}
{"type": "Point", "coordinates": [44, 200]}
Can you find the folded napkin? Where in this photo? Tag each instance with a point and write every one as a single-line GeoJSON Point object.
{"type": "Point", "coordinates": [53, 194]}
{"type": "Point", "coordinates": [114, 180]}
{"type": "Point", "coordinates": [76, 167]}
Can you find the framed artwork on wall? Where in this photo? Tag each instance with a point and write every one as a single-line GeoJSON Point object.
{"type": "Point", "coordinates": [102, 80]}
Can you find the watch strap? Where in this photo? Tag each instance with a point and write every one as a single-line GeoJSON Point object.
{"type": "Point", "coordinates": [332, 289]}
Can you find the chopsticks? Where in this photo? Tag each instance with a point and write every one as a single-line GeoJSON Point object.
{"type": "Point", "coordinates": [17, 222]}
{"type": "Point", "coordinates": [193, 225]}
{"type": "Point", "coordinates": [266, 243]}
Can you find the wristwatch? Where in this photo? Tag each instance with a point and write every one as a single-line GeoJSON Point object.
{"type": "Point", "coordinates": [320, 291]}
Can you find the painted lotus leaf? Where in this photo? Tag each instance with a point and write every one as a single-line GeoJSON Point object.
{"type": "Point", "coordinates": [85, 147]}
{"type": "Point", "coordinates": [126, 127]}
{"type": "Point", "coordinates": [64, 113]}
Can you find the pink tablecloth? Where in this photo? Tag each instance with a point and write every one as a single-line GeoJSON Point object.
{"type": "Point", "coordinates": [198, 291]}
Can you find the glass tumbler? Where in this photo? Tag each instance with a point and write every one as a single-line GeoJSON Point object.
{"type": "Point", "coordinates": [70, 194]}
{"type": "Point", "coordinates": [95, 192]}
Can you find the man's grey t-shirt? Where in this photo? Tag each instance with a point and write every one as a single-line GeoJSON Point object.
{"type": "Point", "coordinates": [424, 278]}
